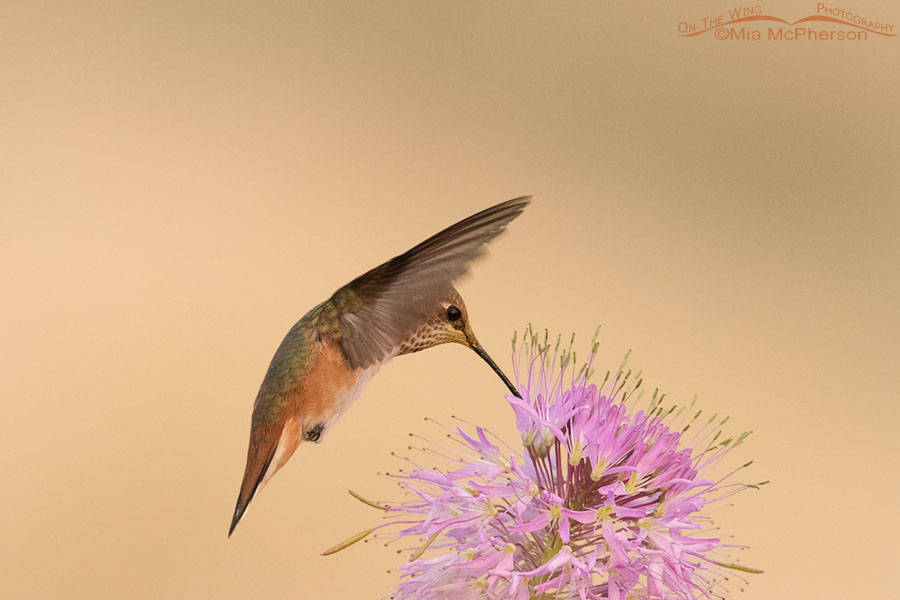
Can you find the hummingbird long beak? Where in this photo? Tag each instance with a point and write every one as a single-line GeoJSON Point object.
{"type": "Point", "coordinates": [481, 352]}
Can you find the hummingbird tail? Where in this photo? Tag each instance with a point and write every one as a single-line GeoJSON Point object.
{"type": "Point", "coordinates": [247, 492]}
{"type": "Point", "coordinates": [268, 452]}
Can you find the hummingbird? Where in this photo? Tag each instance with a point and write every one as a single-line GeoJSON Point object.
{"type": "Point", "coordinates": [405, 305]}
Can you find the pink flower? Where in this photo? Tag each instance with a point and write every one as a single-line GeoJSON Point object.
{"type": "Point", "coordinates": [599, 501]}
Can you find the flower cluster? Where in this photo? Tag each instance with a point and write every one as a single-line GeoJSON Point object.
{"type": "Point", "coordinates": [599, 501]}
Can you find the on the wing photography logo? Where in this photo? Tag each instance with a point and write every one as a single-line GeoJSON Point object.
{"type": "Point", "coordinates": [752, 23]}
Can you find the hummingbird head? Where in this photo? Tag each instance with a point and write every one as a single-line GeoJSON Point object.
{"type": "Point", "coordinates": [451, 324]}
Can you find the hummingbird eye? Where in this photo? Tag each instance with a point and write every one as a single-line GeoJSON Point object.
{"type": "Point", "coordinates": [453, 314]}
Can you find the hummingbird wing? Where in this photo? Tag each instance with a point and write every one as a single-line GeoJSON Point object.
{"type": "Point", "coordinates": [378, 310]}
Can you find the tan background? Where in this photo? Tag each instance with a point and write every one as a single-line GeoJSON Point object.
{"type": "Point", "coordinates": [180, 182]}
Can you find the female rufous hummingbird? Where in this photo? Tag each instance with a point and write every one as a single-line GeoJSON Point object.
{"type": "Point", "coordinates": [405, 305]}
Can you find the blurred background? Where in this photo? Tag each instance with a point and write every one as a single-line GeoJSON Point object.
{"type": "Point", "coordinates": [180, 182]}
